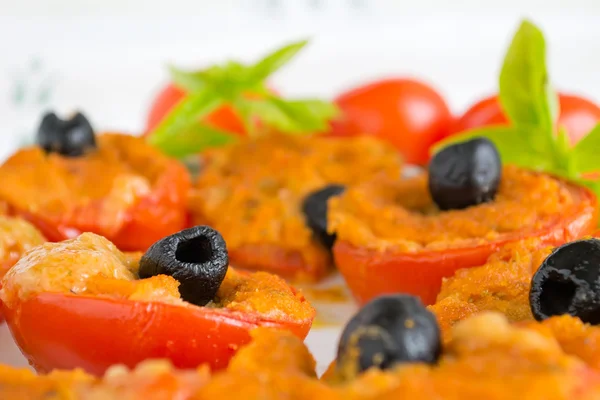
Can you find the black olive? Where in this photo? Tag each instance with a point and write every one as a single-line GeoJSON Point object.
{"type": "Point", "coordinates": [196, 257]}
{"type": "Point", "coordinates": [314, 208]}
{"type": "Point", "coordinates": [568, 282]}
{"type": "Point", "coordinates": [389, 330]}
{"type": "Point", "coordinates": [465, 174]}
{"type": "Point", "coordinates": [71, 137]}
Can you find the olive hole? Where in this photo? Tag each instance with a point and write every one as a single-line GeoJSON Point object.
{"type": "Point", "coordinates": [556, 296]}
{"type": "Point", "coordinates": [197, 250]}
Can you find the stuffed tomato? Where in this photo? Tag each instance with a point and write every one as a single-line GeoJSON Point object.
{"type": "Point", "coordinates": [260, 193]}
{"type": "Point", "coordinates": [116, 185]}
{"type": "Point", "coordinates": [407, 235]}
{"type": "Point", "coordinates": [82, 303]}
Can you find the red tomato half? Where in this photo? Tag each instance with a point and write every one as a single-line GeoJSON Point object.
{"type": "Point", "coordinates": [407, 113]}
{"type": "Point", "coordinates": [370, 273]}
{"type": "Point", "coordinates": [65, 331]}
{"type": "Point", "coordinates": [577, 115]}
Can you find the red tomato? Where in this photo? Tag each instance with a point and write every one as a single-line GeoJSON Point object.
{"type": "Point", "coordinates": [409, 114]}
{"type": "Point", "coordinates": [577, 115]}
{"type": "Point", "coordinates": [65, 331]}
{"type": "Point", "coordinates": [370, 273]}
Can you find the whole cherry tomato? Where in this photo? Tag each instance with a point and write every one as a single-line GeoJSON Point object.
{"type": "Point", "coordinates": [577, 115]}
{"type": "Point", "coordinates": [409, 114]}
{"type": "Point", "coordinates": [223, 117]}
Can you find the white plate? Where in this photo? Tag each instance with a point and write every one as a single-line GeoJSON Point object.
{"type": "Point", "coordinates": [9, 352]}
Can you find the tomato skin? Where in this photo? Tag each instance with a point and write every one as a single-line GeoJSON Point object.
{"type": "Point", "coordinates": [223, 117]}
{"type": "Point", "coordinates": [577, 114]}
{"type": "Point", "coordinates": [407, 113]}
{"type": "Point", "coordinates": [370, 273]}
{"type": "Point", "coordinates": [57, 330]}
{"type": "Point", "coordinates": [484, 112]}
{"type": "Point", "coordinates": [164, 101]}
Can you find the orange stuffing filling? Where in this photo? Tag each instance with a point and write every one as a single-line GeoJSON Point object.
{"type": "Point", "coordinates": [91, 265]}
{"type": "Point", "coordinates": [16, 237]}
{"type": "Point", "coordinates": [502, 284]}
{"type": "Point", "coordinates": [148, 381]}
{"type": "Point", "coordinates": [487, 358]}
{"type": "Point", "coordinates": [575, 337]}
{"type": "Point", "coordinates": [108, 180]}
{"type": "Point", "coordinates": [252, 193]}
{"type": "Point", "coordinates": [400, 214]}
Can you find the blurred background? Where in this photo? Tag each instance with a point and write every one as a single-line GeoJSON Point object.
{"type": "Point", "coordinates": [108, 57]}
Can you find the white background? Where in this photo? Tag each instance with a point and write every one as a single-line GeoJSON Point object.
{"type": "Point", "coordinates": [107, 57]}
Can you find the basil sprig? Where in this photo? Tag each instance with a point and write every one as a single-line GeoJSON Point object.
{"type": "Point", "coordinates": [242, 87]}
{"type": "Point", "coordinates": [532, 139]}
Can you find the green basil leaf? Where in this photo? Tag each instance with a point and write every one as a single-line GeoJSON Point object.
{"type": "Point", "coordinates": [586, 151]}
{"type": "Point", "coordinates": [236, 74]}
{"type": "Point", "coordinates": [244, 88]}
{"type": "Point", "coordinates": [233, 77]}
{"type": "Point", "coordinates": [533, 140]}
{"type": "Point", "coordinates": [562, 140]}
{"type": "Point", "coordinates": [272, 62]}
{"type": "Point", "coordinates": [229, 79]}
{"type": "Point", "coordinates": [592, 184]}
{"type": "Point", "coordinates": [511, 142]}
{"type": "Point", "coordinates": [312, 115]}
{"type": "Point", "coordinates": [190, 81]}
{"type": "Point", "coordinates": [181, 119]}
{"type": "Point", "coordinates": [195, 138]}
{"type": "Point", "coordinates": [553, 104]}
{"type": "Point", "coordinates": [247, 111]}
{"type": "Point", "coordinates": [295, 116]}
{"type": "Point", "coordinates": [563, 154]}
{"type": "Point", "coordinates": [525, 94]}
{"type": "Point", "coordinates": [268, 113]}
{"type": "Point", "coordinates": [212, 75]}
